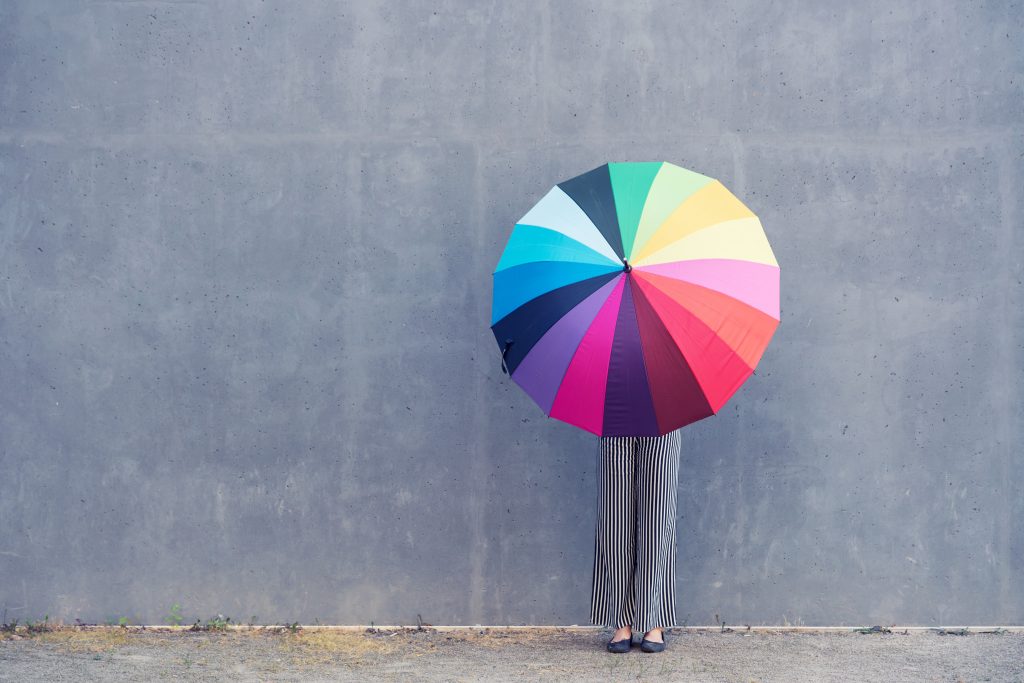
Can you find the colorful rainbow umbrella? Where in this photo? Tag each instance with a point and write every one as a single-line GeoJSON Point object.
{"type": "Point", "coordinates": [635, 299]}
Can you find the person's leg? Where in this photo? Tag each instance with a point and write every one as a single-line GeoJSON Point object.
{"type": "Point", "coordinates": [654, 583]}
{"type": "Point", "coordinates": [614, 555]}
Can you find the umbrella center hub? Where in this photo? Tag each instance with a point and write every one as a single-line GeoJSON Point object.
{"type": "Point", "coordinates": [625, 266]}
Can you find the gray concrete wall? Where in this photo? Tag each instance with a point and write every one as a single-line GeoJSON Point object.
{"type": "Point", "coordinates": [245, 259]}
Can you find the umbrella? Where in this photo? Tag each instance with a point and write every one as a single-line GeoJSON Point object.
{"type": "Point", "coordinates": [635, 299]}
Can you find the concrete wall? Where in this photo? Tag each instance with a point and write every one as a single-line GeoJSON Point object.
{"type": "Point", "coordinates": [245, 276]}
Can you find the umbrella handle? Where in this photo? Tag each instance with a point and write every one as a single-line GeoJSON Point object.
{"type": "Point", "coordinates": [504, 368]}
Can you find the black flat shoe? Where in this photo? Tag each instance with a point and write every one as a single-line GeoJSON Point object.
{"type": "Point", "coordinates": [652, 646]}
{"type": "Point", "coordinates": [620, 645]}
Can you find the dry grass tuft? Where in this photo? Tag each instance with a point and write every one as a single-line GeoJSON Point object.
{"type": "Point", "coordinates": [92, 640]}
{"type": "Point", "coordinates": [310, 648]}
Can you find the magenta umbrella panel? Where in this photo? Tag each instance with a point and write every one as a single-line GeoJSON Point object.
{"type": "Point", "coordinates": [635, 299]}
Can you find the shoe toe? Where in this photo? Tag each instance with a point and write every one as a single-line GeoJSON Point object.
{"type": "Point", "coordinates": [651, 646]}
{"type": "Point", "coordinates": [620, 645]}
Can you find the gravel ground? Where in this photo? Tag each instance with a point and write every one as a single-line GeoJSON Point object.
{"type": "Point", "coordinates": [497, 654]}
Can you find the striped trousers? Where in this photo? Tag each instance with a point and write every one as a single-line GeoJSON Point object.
{"type": "Point", "coordinates": [635, 541]}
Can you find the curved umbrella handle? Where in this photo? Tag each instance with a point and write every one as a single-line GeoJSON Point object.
{"type": "Point", "coordinates": [508, 343]}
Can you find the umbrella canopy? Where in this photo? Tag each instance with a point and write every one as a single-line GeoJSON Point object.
{"type": "Point", "coordinates": [635, 299]}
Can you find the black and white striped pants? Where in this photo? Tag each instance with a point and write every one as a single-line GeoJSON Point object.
{"type": "Point", "coordinates": [635, 542]}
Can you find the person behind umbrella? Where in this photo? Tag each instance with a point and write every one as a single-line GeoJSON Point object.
{"type": "Point", "coordinates": [632, 297]}
{"type": "Point", "coordinates": [635, 540]}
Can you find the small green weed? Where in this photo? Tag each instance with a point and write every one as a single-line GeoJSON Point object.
{"type": "Point", "coordinates": [39, 626]}
{"type": "Point", "coordinates": [174, 617]}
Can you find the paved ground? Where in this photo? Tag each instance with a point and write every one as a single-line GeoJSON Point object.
{"type": "Point", "coordinates": [576, 654]}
